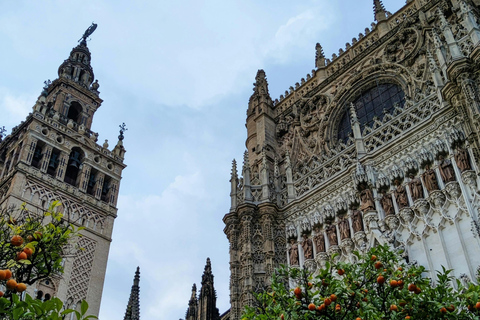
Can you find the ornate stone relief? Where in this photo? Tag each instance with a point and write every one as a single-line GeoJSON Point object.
{"type": "Point", "coordinates": [81, 270]}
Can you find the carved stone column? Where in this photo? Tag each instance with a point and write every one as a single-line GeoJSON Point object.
{"type": "Point", "coordinates": [99, 185]}
{"type": "Point", "coordinates": [27, 156]}
{"type": "Point", "coordinates": [47, 153]}
{"type": "Point", "coordinates": [62, 165]}
{"type": "Point", "coordinates": [84, 177]}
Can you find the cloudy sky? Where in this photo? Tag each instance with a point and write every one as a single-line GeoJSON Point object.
{"type": "Point", "coordinates": [179, 73]}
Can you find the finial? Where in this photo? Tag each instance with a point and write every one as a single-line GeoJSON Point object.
{"type": "Point", "coordinates": [319, 56]}
{"type": "Point", "coordinates": [45, 87]}
{"type": "Point", "coordinates": [123, 128]}
{"type": "Point", "coordinates": [245, 160]}
{"type": "Point", "coordinates": [379, 10]}
{"type": "Point", "coordinates": [353, 113]}
{"type": "Point", "coordinates": [234, 168]}
{"type": "Point", "coordinates": [88, 32]}
{"type": "Point", "coordinates": [2, 132]}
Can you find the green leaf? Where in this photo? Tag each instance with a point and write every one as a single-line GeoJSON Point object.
{"type": "Point", "coordinates": [84, 307]}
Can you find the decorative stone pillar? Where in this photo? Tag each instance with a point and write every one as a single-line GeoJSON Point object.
{"type": "Point", "coordinates": [99, 185]}
{"type": "Point", "coordinates": [62, 165]}
{"type": "Point", "coordinates": [112, 194]}
{"type": "Point", "coordinates": [289, 174]}
{"type": "Point", "coordinates": [27, 156]}
{"type": "Point", "coordinates": [47, 153]}
{"type": "Point", "coordinates": [84, 177]}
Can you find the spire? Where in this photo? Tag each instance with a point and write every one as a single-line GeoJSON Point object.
{"type": "Point", "coordinates": [77, 66]}
{"type": "Point", "coordinates": [192, 305]}
{"type": "Point", "coordinates": [319, 56]}
{"type": "Point", "coordinates": [260, 91]}
{"type": "Point", "coordinates": [207, 305]}
{"type": "Point", "coordinates": [379, 11]}
{"type": "Point", "coordinates": [234, 170]}
{"type": "Point", "coordinates": [133, 307]}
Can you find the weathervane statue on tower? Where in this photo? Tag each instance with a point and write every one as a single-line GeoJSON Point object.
{"type": "Point", "coordinates": [87, 33]}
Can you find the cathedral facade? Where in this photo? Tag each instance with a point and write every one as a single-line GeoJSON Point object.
{"type": "Point", "coordinates": [377, 145]}
{"type": "Point", "coordinates": [53, 155]}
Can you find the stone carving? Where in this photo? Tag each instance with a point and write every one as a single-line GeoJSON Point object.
{"type": "Point", "coordinates": [416, 187]}
{"type": "Point", "coordinates": [401, 46]}
{"type": "Point", "coordinates": [462, 160]}
{"type": "Point", "coordinates": [401, 196]}
{"type": "Point", "coordinates": [344, 229]}
{"type": "Point", "coordinates": [446, 170]}
{"type": "Point", "coordinates": [307, 248]}
{"type": "Point", "coordinates": [357, 221]}
{"type": "Point", "coordinates": [332, 235]}
{"type": "Point", "coordinates": [387, 204]}
{"type": "Point", "coordinates": [367, 202]}
{"type": "Point", "coordinates": [430, 179]}
{"type": "Point", "coordinates": [82, 267]}
{"type": "Point", "coordinates": [293, 253]}
{"type": "Point", "coordinates": [319, 243]}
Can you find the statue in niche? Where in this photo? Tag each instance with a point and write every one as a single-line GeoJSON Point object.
{"type": "Point", "coordinates": [366, 197]}
{"type": "Point", "coordinates": [387, 204]}
{"type": "Point", "coordinates": [430, 179]}
{"type": "Point", "coordinates": [319, 242]}
{"type": "Point", "coordinates": [462, 160]}
{"type": "Point", "coordinates": [416, 187]}
{"type": "Point", "coordinates": [344, 229]}
{"type": "Point", "coordinates": [307, 246]}
{"type": "Point", "coordinates": [446, 170]}
{"type": "Point", "coordinates": [401, 195]}
{"type": "Point", "coordinates": [293, 253]}
{"type": "Point", "coordinates": [332, 235]}
{"type": "Point", "coordinates": [357, 221]}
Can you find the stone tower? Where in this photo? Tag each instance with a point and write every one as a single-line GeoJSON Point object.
{"type": "Point", "coordinates": [53, 155]}
{"type": "Point", "coordinates": [205, 306]}
{"type": "Point", "coordinates": [133, 306]}
{"type": "Point", "coordinates": [379, 144]}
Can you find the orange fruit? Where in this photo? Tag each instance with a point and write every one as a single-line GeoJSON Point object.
{"type": "Point", "coordinates": [28, 252]}
{"type": "Point", "coordinates": [16, 241]}
{"type": "Point", "coordinates": [297, 291]}
{"type": "Point", "coordinates": [282, 317]}
{"type": "Point", "coordinates": [37, 235]}
{"type": "Point", "coordinates": [373, 258]}
{"type": "Point", "coordinates": [358, 318]}
{"type": "Point", "coordinates": [341, 272]}
{"type": "Point", "coordinates": [8, 274]}
{"type": "Point", "coordinates": [393, 308]}
{"type": "Point", "coordinates": [451, 308]}
{"type": "Point", "coordinates": [11, 284]}
{"type": "Point", "coordinates": [21, 256]}
{"type": "Point", "coordinates": [400, 269]}
{"type": "Point", "coordinates": [333, 297]}
{"type": "Point", "coordinates": [417, 290]}
{"type": "Point", "coordinates": [443, 310]}
{"type": "Point", "coordinates": [393, 283]}
{"type": "Point", "coordinates": [327, 302]}
{"type": "Point", "coordinates": [322, 307]}
{"type": "Point", "coordinates": [21, 287]}
{"type": "Point", "coordinates": [310, 284]}
{"type": "Point", "coordinates": [311, 307]}
{"type": "Point", "coordinates": [365, 299]}
{"type": "Point", "coordinates": [29, 238]}
{"type": "Point", "coordinates": [412, 287]}
{"type": "Point", "coordinates": [378, 265]}
{"type": "Point", "coordinates": [338, 308]}
{"type": "Point", "coordinates": [381, 279]}
{"type": "Point", "coordinates": [3, 275]}
{"type": "Point", "coordinates": [407, 318]}
{"type": "Point", "coordinates": [477, 305]}
{"type": "Point", "coordinates": [1, 294]}
{"type": "Point", "coordinates": [402, 303]}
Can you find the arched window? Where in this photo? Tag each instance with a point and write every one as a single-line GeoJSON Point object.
{"type": "Point", "coordinates": [75, 112]}
{"type": "Point", "coordinates": [73, 167]}
{"type": "Point", "coordinates": [372, 103]}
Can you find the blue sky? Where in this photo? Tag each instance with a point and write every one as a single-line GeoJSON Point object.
{"type": "Point", "coordinates": [179, 73]}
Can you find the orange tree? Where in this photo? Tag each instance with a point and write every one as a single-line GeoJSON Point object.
{"type": "Point", "coordinates": [32, 246]}
{"type": "Point", "coordinates": [378, 286]}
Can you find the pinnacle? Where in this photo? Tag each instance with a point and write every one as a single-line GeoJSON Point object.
{"type": "Point", "coordinates": [133, 307]}
{"type": "Point", "coordinates": [379, 10]}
